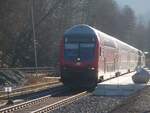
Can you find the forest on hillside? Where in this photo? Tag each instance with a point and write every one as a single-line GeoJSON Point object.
{"type": "Point", "coordinates": [52, 18]}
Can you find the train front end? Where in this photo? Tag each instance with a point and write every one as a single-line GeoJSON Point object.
{"type": "Point", "coordinates": [79, 57]}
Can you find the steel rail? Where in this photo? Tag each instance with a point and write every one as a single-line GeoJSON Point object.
{"type": "Point", "coordinates": [33, 69]}
{"type": "Point", "coordinates": [29, 103]}
{"type": "Point", "coordinates": [26, 68]}
{"type": "Point", "coordinates": [64, 102]}
{"type": "Point", "coordinates": [31, 90]}
{"type": "Point", "coordinates": [61, 103]}
{"type": "Point", "coordinates": [22, 105]}
{"type": "Point", "coordinates": [49, 107]}
{"type": "Point", "coordinates": [34, 85]}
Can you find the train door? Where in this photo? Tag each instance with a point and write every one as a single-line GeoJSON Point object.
{"type": "Point", "coordinates": [128, 62]}
{"type": "Point", "coordinates": [139, 58]}
{"type": "Point", "coordinates": [104, 60]}
{"type": "Point", "coordinates": [105, 68]}
{"type": "Point", "coordinates": [116, 50]}
{"type": "Point", "coordinates": [118, 61]}
{"type": "Point", "coordinates": [115, 62]}
{"type": "Point", "coordinates": [101, 64]}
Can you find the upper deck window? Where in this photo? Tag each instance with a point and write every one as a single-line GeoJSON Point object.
{"type": "Point", "coordinates": [79, 39]}
{"type": "Point", "coordinates": [84, 51]}
{"type": "Point", "coordinates": [71, 46]}
{"type": "Point", "coordinates": [109, 43]}
{"type": "Point", "coordinates": [87, 45]}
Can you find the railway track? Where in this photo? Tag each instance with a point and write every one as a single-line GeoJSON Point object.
{"type": "Point", "coordinates": [45, 104]}
{"type": "Point", "coordinates": [20, 108]}
{"type": "Point", "coordinates": [33, 69]}
{"type": "Point", "coordinates": [29, 95]}
{"type": "Point", "coordinates": [29, 89]}
{"type": "Point", "coordinates": [61, 103]}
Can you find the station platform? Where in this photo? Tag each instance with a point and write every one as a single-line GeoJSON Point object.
{"type": "Point", "coordinates": [120, 86]}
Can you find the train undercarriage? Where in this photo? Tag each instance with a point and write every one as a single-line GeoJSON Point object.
{"type": "Point", "coordinates": [79, 78]}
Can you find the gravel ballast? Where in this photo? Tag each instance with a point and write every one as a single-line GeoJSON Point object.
{"type": "Point", "coordinates": [91, 104]}
{"type": "Point", "coordinates": [137, 104]}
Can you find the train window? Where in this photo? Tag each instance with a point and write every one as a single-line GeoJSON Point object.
{"type": "Point", "coordinates": [66, 40]}
{"type": "Point", "coordinates": [86, 45]}
{"type": "Point", "coordinates": [71, 46]}
{"type": "Point", "coordinates": [100, 51]}
{"type": "Point", "coordinates": [71, 51]}
{"type": "Point", "coordinates": [87, 51]}
{"type": "Point", "coordinates": [109, 42]}
{"type": "Point", "coordinates": [79, 38]}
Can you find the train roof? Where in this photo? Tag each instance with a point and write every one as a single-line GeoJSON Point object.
{"type": "Point", "coordinates": [80, 29]}
{"type": "Point", "coordinates": [119, 42]}
{"type": "Point", "coordinates": [84, 29]}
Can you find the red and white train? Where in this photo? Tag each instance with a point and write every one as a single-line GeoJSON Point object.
{"type": "Point", "coordinates": [88, 55]}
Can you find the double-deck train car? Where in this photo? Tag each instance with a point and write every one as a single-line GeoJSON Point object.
{"type": "Point", "coordinates": [88, 55]}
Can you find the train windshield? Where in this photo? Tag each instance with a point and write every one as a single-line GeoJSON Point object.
{"type": "Point", "coordinates": [81, 39]}
{"type": "Point", "coordinates": [84, 51]}
{"type": "Point", "coordinates": [87, 51]}
{"type": "Point", "coordinates": [71, 51]}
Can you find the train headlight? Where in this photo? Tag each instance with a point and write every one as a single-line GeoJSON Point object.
{"type": "Point", "coordinates": [92, 68]}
